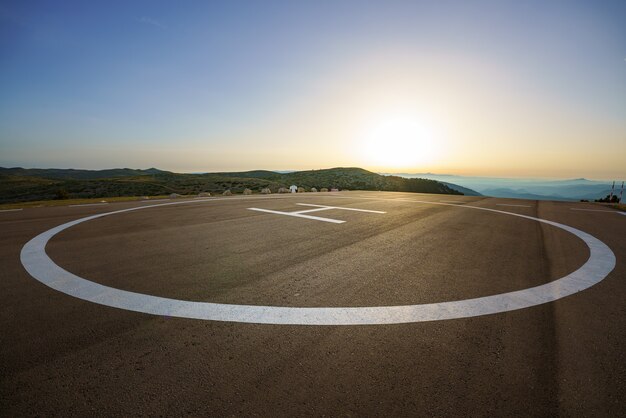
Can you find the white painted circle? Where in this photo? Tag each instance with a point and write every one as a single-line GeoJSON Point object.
{"type": "Point", "coordinates": [34, 258]}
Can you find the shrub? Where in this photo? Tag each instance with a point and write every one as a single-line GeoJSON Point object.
{"type": "Point", "coordinates": [323, 189]}
{"type": "Point", "coordinates": [62, 194]}
{"type": "Point", "coordinates": [283, 190]}
{"type": "Point", "coordinates": [247, 192]}
{"type": "Point", "coordinates": [204, 194]}
{"type": "Point", "coordinates": [227, 193]}
{"type": "Point", "coordinates": [313, 190]}
{"type": "Point", "coordinates": [266, 191]}
{"type": "Point", "coordinates": [301, 190]}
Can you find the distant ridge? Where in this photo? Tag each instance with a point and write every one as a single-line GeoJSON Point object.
{"type": "Point", "coordinates": [77, 174]}
{"type": "Point", "coordinates": [257, 174]}
{"type": "Point", "coordinates": [21, 184]}
{"type": "Point", "coordinates": [465, 190]}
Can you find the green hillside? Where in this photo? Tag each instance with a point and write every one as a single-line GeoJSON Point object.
{"type": "Point", "coordinates": [74, 174]}
{"type": "Point", "coordinates": [23, 185]}
{"type": "Point", "coordinates": [351, 178]}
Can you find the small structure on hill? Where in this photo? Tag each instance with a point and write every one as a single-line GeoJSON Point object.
{"type": "Point", "coordinates": [293, 188]}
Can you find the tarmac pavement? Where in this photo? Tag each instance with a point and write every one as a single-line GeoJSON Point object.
{"type": "Point", "coordinates": [66, 356]}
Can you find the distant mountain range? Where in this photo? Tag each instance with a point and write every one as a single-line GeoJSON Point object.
{"type": "Point", "coordinates": [21, 185]}
{"type": "Point", "coordinates": [535, 189]}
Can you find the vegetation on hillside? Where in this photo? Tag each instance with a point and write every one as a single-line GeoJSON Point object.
{"type": "Point", "coordinates": [23, 185]}
{"type": "Point", "coordinates": [609, 199]}
{"type": "Point", "coordinates": [74, 174]}
{"type": "Point", "coordinates": [351, 178]}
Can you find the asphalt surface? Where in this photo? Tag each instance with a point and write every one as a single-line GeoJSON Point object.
{"type": "Point", "coordinates": [63, 356]}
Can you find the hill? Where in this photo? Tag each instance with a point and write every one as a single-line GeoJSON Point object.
{"type": "Point", "coordinates": [74, 174]}
{"type": "Point", "coordinates": [22, 185]}
{"type": "Point", "coordinates": [351, 178]}
{"type": "Point", "coordinates": [465, 190]}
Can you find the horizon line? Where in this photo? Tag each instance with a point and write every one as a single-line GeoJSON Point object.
{"type": "Point", "coordinates": [283, 171]}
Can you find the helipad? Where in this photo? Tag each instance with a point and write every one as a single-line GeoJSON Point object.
{"type": "Point", "coordinates": [599, 264]}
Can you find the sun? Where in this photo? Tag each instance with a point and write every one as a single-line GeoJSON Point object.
{"type": "Point", "coordinates": [398, 140]}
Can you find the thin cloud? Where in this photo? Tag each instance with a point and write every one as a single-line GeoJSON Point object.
{"type": "Point", "coordinates": [151, 21]}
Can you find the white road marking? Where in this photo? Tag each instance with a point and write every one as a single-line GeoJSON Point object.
{"type": "Point", "coordinates": [10, 210]}
{"type": "Point", "coordinates": [595, 210]}
{"type": "Point", "coordinates": [156, 200]}
{"type": "Point", "coordinates": [517, 206]}
{"type": "Point", "coordinates": [318, 208]}
{"type": "Point", "coordinates": [35, 260]}
{"type": "Point", "coordinates": [339, 207]}
{"type": "Point", "coordinates": [312, 210]}
{"type": "Point", "coordinates": [298, 215]}
{"type": "Point", "coordinates": [89, 204]}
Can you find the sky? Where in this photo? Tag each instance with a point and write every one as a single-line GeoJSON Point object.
{"type": "Point", "coordinates": [489, 88]}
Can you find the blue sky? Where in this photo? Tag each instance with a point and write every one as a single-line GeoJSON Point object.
{"type": "Point", "coordinates": [503, 88]}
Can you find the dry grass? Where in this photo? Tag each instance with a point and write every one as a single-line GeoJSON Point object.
{"type": "Point", "coordinates": [66, 202]}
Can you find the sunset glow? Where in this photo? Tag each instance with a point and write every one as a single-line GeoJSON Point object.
{"type": "Point", "coordinates": [398, 141]}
